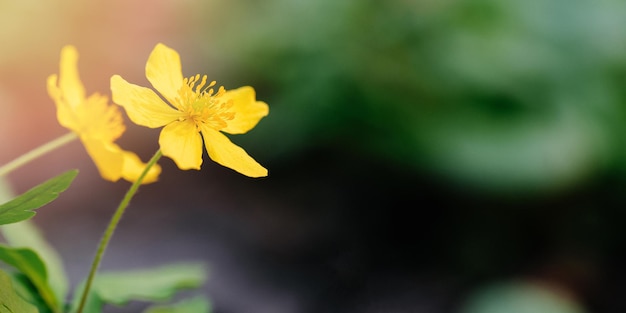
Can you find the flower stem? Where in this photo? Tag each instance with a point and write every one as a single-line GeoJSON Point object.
{"type": "Point", "coordinates": [37, 152]}
{"type": "Point", "coordinates": [104, 241]}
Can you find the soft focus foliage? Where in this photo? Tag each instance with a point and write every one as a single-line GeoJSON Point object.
{"type": "Point", "coordinates": [520, 297]}
{"type": "Point", "coordinates": [144, 284]}
{"type": "Point", "coordinates": [26, 234]}
{"type": "Point", "coordinates": [9, 300]}
{"type": "Point", "coordinates": [502, 95]}
{"type": "Point", "coordinates": [195, 305]}
{"type": "Point", "coordinates": [27, 262]}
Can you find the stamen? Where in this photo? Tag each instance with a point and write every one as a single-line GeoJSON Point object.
{"type": "Point", "coordinates": [202, 105]}
{"type": "Point", "coordinates": [201, 84]}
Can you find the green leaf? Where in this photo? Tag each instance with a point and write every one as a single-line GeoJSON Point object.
{"type": "Point", "coordinates": [10, 302]}
{"type": "Point", "coordinates": [28, 262]}
{"type": "Point", "coordinates": [21, 208]}
{"type": "Point", "coordinates": [25, 288]}
{"type": "Point", "coordinates": [156, 284]}
{"type": "Point", "coordinates": [94, 303]}
{"type": "Point", "coordinates": [151, 284]}
{"type": "Point", "coordinates": [25, 234]}
{"type": "Point", "coordinates": [198, 304]}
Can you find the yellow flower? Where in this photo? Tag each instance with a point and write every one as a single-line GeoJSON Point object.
{"type": "Point", "coordinates": [97, 123]}
{"type": "Point", "coordinates": [195, 112]}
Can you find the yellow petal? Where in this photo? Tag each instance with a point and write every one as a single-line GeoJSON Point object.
{"type": "Point", "coordinates": [71, 87]}
{"type": "Point", "coordinates": [181, 142]}
{"type": "Point", "coordinates": [108, 157]}
{"type": "Point", "coordinates": [133, 167]}
{"type": "Point", "coordinates": [226, 153]}
{"type": "Point", "coordinates": [164, 71]}
{"type": "Point", "coordinates": [65, 114]}
{"type": "Point", "coordinates": [248, 111]}
{"type": "Point", "coordinates": [143, 106]}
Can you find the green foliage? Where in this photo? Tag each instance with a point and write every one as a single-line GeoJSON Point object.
{"type": "Point", "coordinates": [155, 284]}
{"type": "Point", "coordinates": [25, 288]}
{"type": "Point", "coordinates": [519, 297]}
{"type": "Point", "coordinates": [21, 208]}
{"type": "Point", "coordinates": [10, 301]}
{"type": "Point", "coordinates": [26, 235]}
{"type": "Point", "coordinates": [497, 95]}
{"type": "Point", "coordinates": [194, 305]}
{"type": "Point", "coordinates": [28, 262]}
{"type": "Point", "coordinates": [39, 283]}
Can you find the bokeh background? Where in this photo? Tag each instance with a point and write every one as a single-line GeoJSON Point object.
{"type": "Point", "coordinates": [424, 156]}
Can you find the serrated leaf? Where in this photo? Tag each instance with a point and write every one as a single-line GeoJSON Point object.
{"type": "Point", "coordinates": [21, 208]}
{"type": "Point", "coordinates": [25, 234]}
{"type": "Point", "coordinates": [28, 262]}
{"type": "Point", "coordinates": [10, 301]}
{"type": "Point", "coordinates": [197, 304]}
{"type": "Point", "coordinates": [156, 284]}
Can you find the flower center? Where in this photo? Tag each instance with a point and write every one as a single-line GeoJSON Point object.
{"type": "Point", "coordinates": [202, 105]}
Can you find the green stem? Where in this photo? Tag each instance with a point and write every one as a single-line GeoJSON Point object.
{"type": "Point", "coordinates": [37, 152]}
{"type": "Point", "coordinates": [104, 242]}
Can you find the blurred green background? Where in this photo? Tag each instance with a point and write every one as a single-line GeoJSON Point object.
{"type": "Point", "coordinates": [420, 152]}
{"type": "Point", "coordinates": [496, 95]}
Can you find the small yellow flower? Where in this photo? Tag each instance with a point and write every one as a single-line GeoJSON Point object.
{"type": "Point", "coordinates": [97, 123]}
{"type": "Point", "coordinates": [195, 112]}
